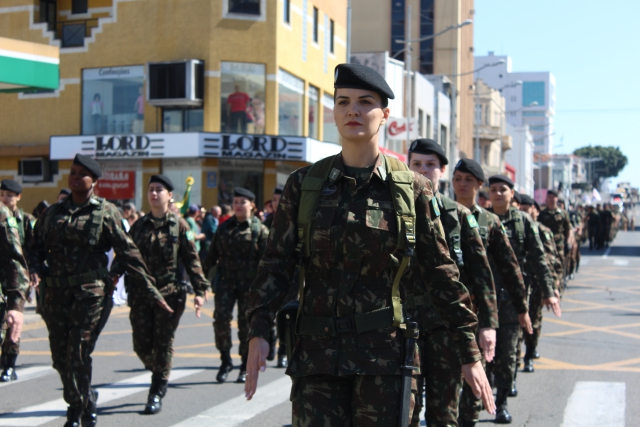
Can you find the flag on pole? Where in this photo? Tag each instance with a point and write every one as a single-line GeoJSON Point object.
{"type": "Point", "coordinates": [183, 205]}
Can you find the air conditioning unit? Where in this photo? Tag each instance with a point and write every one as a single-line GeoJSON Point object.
{"type": "Point", "coordinates": [34, 169]}
{"type": "Point", "coordinates": [176, 83]}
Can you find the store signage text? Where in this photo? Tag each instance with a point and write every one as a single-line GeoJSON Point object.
{"type": "Point", "coordinates": [253, 146]}
{"type": "Point", "coordinates": [126, 146]}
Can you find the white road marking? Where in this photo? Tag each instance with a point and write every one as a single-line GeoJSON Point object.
{"type": "Point", "coordinates": [238, 410]}
{"type": "Point", "coordinates": [45, 412]}
{"type": "Point", "coordinates": [596, 404]}
{"type": "Point", "coordinates": [26, 374]}
{"type": "Point", "coordinates": [621, 262]}
{"type": "Point", "coordinates": [606, 253]}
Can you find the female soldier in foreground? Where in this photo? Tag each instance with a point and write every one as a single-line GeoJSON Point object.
{"type": "Point", "coordinates": [73, 237]}
{"type": "Point", "coordinates": [347, 360]}
{"type": "Point", "coordinates": [165, 241]}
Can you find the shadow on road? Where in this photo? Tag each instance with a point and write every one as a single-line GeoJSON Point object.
{"type": "Point", "coordinates": [117, 409]}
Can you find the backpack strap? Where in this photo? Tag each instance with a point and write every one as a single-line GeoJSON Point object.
{"type": "Point", "coordinates": [453, 232]}
{"type": "Point", "coordinates": [95, 229]}
{"type": "Point", "coordinates": [483, 226]}
{"type": "Point", "coordinates": [23, 218]}
{"type": "Point", "coordinates": [174, 233]}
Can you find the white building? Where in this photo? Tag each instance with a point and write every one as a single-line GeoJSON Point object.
{"type": "Point", "coordinates": [532, 103]}
{"type": "Point", "coordinates": [521, 158]}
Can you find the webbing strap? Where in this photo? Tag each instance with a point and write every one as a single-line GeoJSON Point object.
{"type": "Point", "coordinates": [23, 218]}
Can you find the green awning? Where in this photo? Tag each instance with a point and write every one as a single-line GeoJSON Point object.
{"type": "Point", "coordinates": [28, 67]}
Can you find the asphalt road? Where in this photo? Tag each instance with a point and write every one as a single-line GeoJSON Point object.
{"type": "Point", "coordinates": [589, 373]}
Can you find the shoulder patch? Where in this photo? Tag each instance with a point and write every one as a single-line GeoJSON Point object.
{"type": "Point", "coordinates": [190, 236]}
{"type": "Point", "coordinates": [434, 204]}
{"type": "Point", "coordinates": [534, 227]}
{"type": "Point", "coordinates": [13, 223]}
{"type": "Point", "coordinates": [472, 221]}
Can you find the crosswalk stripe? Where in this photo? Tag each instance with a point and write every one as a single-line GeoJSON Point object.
{"type": "Point", "coordinates": [26, 374]}
{"type": "Point", "coordinates": [596, 404]}
{"type": "Point", "coordinates": [238, 410]}
{"type": "Point", "coordinates": [45, 412]}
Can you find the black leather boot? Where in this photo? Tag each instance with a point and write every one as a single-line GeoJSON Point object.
{"type": "Point", "coordinates": [73, 416]}
{"type": "Point", "coordinates": [502, 414]}
{"type": "Point", "coordinates": [157, 391]}
{"type": "Point", "coordinates": [528, 360]}
{"type": "Point", "coordinates": [9, 371]}
{"type": "Point", "coordinates": [242, 375]}
{"type": "Point", "coordinates": [535, 354]}
{"type": "Point", "coordinates": [226, 366]}
{"type": "Point", "coordinates": [273, 339]}
{"type": "Point", "coordinates": [90, 413]}
{"type": "Point", "coordinates": [514, 391]}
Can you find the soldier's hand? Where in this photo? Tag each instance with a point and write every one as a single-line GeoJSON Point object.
{"type": "Point", "coordinates": [477, 379]}
{"type": "Point", "coordinates": [15, 319]}
{"type": "Point", "coordinates": [34, 280]}
{"type": "Point", "coordinates": [198, 303]}
{"type": "Point", "coordinates": [556, 293]}
{"type": "Point", "coordinates": [116, 279]}
{"type": "Point", "coordinates": [488, 343]}
{"type": "Point", "coordinates": [554, 305]}
{"type": "Point", "coordinates": [525, 322]}
{"type": "Point", "coordinates": [163, 305]}
{"type": "Point", "coordinates": [256, 363]}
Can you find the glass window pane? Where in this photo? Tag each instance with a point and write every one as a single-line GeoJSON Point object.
{"type": "Point", "coordinates": [243, 97]}
{"type": "Point", "coordinates": [290, 99]}
{"type": "Point", "coordinates": [113, 100]}
{"type": "Point", "coordinates": [249, 7]}
{"type": "Point", "coordinates": [329, 128]}
{"type": "Point", "coordinates": [194, 120]}
{"type": "Point", "coordinates": [312, 96]}
{"type": "Point", "coordinates": [172, 121]}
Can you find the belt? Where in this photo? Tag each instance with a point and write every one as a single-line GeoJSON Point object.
{"type": "Point", "coordinates": [78, 279]}
{"type": "Point", "coordinates": [356, 324]}
{"type": "Point", "coordinates": [413, 301]}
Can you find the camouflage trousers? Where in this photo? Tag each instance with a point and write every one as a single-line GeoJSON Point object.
{"type": "Point", "coordinates": [227, 294]}
{"type": "Point", "coordinates": [440, 381]}
{"type": "Point", "coordinates": [357, 400]}
{"type": "Point", "coordinates": [535, 313]}
{"type": "Point", "coordinates": [574, 260]}
{"type": "Point", "coordinates": [153, 332]}
{"type": "Point", "coordinates": [503, 366]}
{"type": "Point", "coordinates": [72, 316]}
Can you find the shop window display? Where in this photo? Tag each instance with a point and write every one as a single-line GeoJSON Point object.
{"type": "Point", "coordinates": [290, 102]}
{"type": "Point", "coordinates": [329, 129]}
{"type": "Point", "coordinates": [312, 96]}
{"type": "Point", "coordinates": [243, 97]}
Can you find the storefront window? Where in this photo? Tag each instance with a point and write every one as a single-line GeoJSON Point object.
{"type": "Point", "coordinates": [243, 97]}
{"type": "Point", "coordinates": [290, 99]}
{"type": "Point", "coordinates": [113, 100]}
{"type": "Point", "coordinates": [240, 173]}
{"type": "Point", "coordinates": [329, 129]}
{"type": "Point", "coordinates": [312, 96]}
{"type": "Point", "coordinates": [181, 120]}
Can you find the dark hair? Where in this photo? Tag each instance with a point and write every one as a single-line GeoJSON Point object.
{"type": "Point", "coordinates": [411, 152]}
{"type": "Point", "coordinates": [383, 99]}
{"type": "Point", "coordinates": [97, 95]}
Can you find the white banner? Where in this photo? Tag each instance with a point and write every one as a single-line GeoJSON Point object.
{"type": "Point", "coordinates": [397, 128]}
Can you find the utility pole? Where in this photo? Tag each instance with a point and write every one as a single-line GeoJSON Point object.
{"type": "Point", "coordinates": [407, 65]}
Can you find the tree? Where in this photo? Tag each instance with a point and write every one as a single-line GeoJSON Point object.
{"type": "Point", "coordinates": [613, 161]}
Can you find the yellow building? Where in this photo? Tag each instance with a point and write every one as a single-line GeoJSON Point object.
{"type": "Point", "coordinates": [232, 92]}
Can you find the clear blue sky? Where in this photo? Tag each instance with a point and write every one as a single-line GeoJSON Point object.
{"type": "Point", "coordinates": [591, 48]}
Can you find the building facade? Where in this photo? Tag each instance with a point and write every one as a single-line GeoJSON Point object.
{"type": "Point", "coordinates": [520, 156]}
{"type": "Point", "coordinates": [490, 139]}
{"type": "Point", "coordinates": [231, 92]}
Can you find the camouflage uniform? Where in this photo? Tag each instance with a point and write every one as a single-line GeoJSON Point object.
{"type": "Point", "coordinates": [558, 221]}
{"type": "Point", "coordinates": [593, 222]}
{"type": "Point", "coordinates": [75, 282]}
{"type": "Point", "coordinates": [440, 362]}
{"type": "Point", "coordinates": [509, 285]}
{"type": "Point", "coordinates": [25, 222]}
{"type": "Point", "coordinates": [236, 257]}
{"type": "Point", "coordinates": [352, 264]}
{"type": "Point", "coordinates": [528, 248]}
{"type": "Point", "coordinates": [153, 327]}
{"type": "Point", "coordinates": [13, 270]}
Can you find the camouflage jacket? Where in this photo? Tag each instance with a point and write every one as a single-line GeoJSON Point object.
{"type": "Point", "coordinates": [153, 238]}
{"type": "Point", "coordinates": [13, 266]}
{"type": "Point", "coordinates": [558, 221]}
{"type": "Point", "coordinates": [528, 248]}
{"type": "Point", "coordinates": [233, 252]}
{"type": "Point", "coordinates": [66, 242]}
{"type": "Point", "coordinates": [26, 223]}
{"type": "Point", "coordinates": [353, 262]}
{"type": "Point", "coordinates": [546, 236]}
{"type": "Point", "coordinates": [504, 263]}
{"type": "Point", "coordinates": [475, 271]}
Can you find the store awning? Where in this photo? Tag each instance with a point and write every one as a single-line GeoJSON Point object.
{"type": "Point", "coordinates": [28, 67]}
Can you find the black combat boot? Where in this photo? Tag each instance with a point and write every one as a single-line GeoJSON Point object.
{"type": "Point", "coordinates": [157, 391]}
{"type": "Point", "coordinates": [242, 376]}
{"type": "Point", "coordinates": [273, 339]}
{"type": "Point", "coordinates": [502, 414]}
{"type": "Point", "coordinates": [535, 355]}
{"type": "Point", "coordinates": [514, 391]}
{"type": "Point", "coordinates": [528, 360]}
{"type": "Point", "coordinates": [9, 371]}
{"type": "Point", "coordinates": [90, 413]}
{"type": "Point", "coordinates": [226, 366]}
{"type": "Point", "coordinates": [282, 355]}
{"type": "Point", "coordinates": [73, 416]}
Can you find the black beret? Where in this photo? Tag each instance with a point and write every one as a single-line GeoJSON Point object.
{"type": "Point", "coordinates": [278, 190]}
{"type": "Point", "coordinates": [10, 185]}
{"type": "Point", "coordinates": [89, 164]}
{"type": "Point", "coordinates": [553, 192]}
{"type": "Point", "coordinates": [243, 192]}
{"type": "Point", "coordinates": [161, 179]}
{"type": "Point", "coordinates": [501, 178]}
{"type": "Point", "coordinates": [483, 194]}
{"type": "Point", "coordinates": [428, 146]}
{"type": "Point", "coordinates": [64, 191]}
{"type": "Point", "coordinates": [472, 167]}
{"type": "Point", "coordinates": [526, 200]}
{"type": "Point", "coordinates": [356, 76]}
{"type": "Point", "coordinates": [517, 197]}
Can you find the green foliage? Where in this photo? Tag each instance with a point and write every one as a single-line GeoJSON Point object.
{"type": "Point", "coordinates": [613, 160]}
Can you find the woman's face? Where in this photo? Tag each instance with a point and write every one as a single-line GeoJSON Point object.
{"type": "Point", "coordinates": [80, 179]}
{"type": "Point", "coordinates": [158, 195]}
{"type": "Point", "coordinates": [242, 207]}
{"type": "Point", "coordinates": [500, 195]}
{"type": "Point", "coordinates": [465, 185]}
{"type": "Point", "coordinates": [358, 114]}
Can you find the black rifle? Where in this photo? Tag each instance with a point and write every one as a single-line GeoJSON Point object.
{"type": "Point", "coordinates": [410, 336]}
